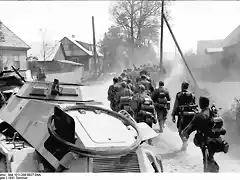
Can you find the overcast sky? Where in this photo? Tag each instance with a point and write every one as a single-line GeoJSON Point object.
{"type": "Point", "coordinates": [192, 21]}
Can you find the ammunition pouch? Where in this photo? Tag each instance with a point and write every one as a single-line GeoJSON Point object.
{"type": "Point", "coordinates": [148, 108]}
{"type": "Point", "coordinates": [146, 117]}
{"type": "Point", "coordinates": [162, 100]}
{"type": "Point", "coordinates": [187, 110]}
{"type": "Point", "coordinates": [125, 100]}
{"type": "Point", "coordinates": [162, 106]}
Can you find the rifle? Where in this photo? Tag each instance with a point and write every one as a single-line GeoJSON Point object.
{"type": "Point", "coordinates": [135, 68]}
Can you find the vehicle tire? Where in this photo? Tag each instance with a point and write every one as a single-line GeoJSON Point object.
{"type": "Point", "coordinates": [159, 159]}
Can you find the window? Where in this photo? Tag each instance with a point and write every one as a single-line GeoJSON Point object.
{"type": "Point", "coordinates": [16, 58]}
{"type": "Point", "coordinates": [68, 91]}
{"type": "Point", "coordinates": [38, 91]}
{"type": "Point", "coordinates": [75, 59]}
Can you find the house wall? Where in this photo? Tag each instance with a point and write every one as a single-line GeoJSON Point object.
{"type": "Point", "coordinates": [234, 49]}
{"type": "Point", "coordinates": [215, 58]}
{"type": "Point", "coordinates": [99, 64]}
{"type": "Point", "coordinates": [52, 67]}
{"type": "Point", "coordinates": [75, 54]}
{"type": "Point", "coordinates": [202, 45]}
{"type": "Point", "coordinates": [82, 60]}
{"type": "Point", "coordinates": [14, 57]}
{"type": "Point", "coordinates": [68, 77]}
{"type": "Point", "coordinates": [232, 56]}
{"type": "Point", "coordinates": [59, 54]}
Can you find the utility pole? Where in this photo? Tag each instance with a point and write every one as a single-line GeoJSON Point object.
{"type": "Point", "coordinates": [161, 40]}
{"type": "Point", "coordinates": [179, 50]}
{"type": "Point", "coordinates": [132, 33]}
{"type": "Point", "coordinates": [2, 39]}
{"type": "Point", "coordinates": [94, 47]}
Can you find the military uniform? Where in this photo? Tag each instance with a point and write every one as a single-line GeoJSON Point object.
{"type": "Point", "coordinates": [183, 98]}
{"type": "Point", "coordinates": [148, 86]}
{"type": "Point", "coordinates": [156, 97]}
{"type": "Point", "coordinates": [124, 92]}
{"type": "Point", "coordinates": [201, 123]}
{"type": "Point", "coordinates": [131, 87]}
{"type": "Point", "coordinates": [145, 112]}
{"type": "Point", "coordinates": [111, 92]}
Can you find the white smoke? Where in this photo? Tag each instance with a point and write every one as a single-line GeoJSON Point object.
{"type": "Point", "coordinates": [174, 79]}
{"type": "Point", "coordinates": [176, 74]}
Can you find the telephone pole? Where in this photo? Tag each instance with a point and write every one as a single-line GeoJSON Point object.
{"type": "Point", "coordinates": [161, 40]}
{"type": "Point", "coordinates": [94, 47]}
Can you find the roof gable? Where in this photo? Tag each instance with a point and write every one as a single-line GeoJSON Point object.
{"type": "Point", "coordinates": [80, 46]}
{"type": "Point", "coordinates": [11, 40]}
{"type": "Point", "coordinates": [233, 37]}
{"type": "Point", "coordinates": [74, 50]}
{"type": "Point", "coordinates": [85, 47]}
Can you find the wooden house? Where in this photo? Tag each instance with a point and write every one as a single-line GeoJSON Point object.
{"type": "Point", "coordinates": [13, 50]}
{"type": "Point", "coordinates": [80, 52]}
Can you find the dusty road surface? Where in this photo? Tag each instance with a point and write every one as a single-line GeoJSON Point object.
{"type": "Point", "coordinates": [168, 144]}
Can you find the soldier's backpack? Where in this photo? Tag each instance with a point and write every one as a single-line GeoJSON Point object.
{"type": "Point", "coordinates": [110, 96]}
{"type": "Point", "coordinates": [185, 98]}
{"type": "Point", "coordinates": [147, 105]}
{"type": "Point", "coordinates": [162, 101]}
{"type": "Point", "coordinates": [215, 124]}
{"type": "Point", "coordinates": [213, 136]}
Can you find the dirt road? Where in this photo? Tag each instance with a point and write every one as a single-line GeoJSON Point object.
{"type": "Point", "coordinates": [168, 144]}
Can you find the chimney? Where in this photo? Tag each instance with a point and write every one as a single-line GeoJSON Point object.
{"type": "Point", "coordinates": [73, 36]}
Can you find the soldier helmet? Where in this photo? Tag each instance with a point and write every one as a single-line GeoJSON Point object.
{"type": "Point", "coordinates": [123, 84]}
{"type": "Point", "coordinates": [129, 81]}
{"type": "Point", "coordinates": [203, 102]}
{"type": "Point", "coordinates": [142, 87]}
{"type": "Point", "coordinates": [161, 83]}
{"type": "Point", "coordinates": [124, 74]}
{"type": "Point", "coordinates": [119, 78]}
{"type": "Point", "coordinates": [185, 85]}
{"type": "Point", "coordinates": [115, 79]}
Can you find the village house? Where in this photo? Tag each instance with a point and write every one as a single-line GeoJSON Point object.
{"type": "Point", "coordinates": [80, 52]}
{"type": "Point", "coordinates": [212, 51]}
{"type": "Point", "coordinates": [13, 50]}
{"type": "Point", "coordinates": [56, 66]}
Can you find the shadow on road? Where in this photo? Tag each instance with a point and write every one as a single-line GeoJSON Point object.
{"type": "Point", "coordinates": [171, 155]}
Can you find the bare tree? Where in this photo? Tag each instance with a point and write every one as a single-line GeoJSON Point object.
{"type": "Point", "coordinates": [47, 49]}
{"type": "Point", "coordinates": [2, 39]}
{"type": "Point", "coordinates": [140, 19]}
